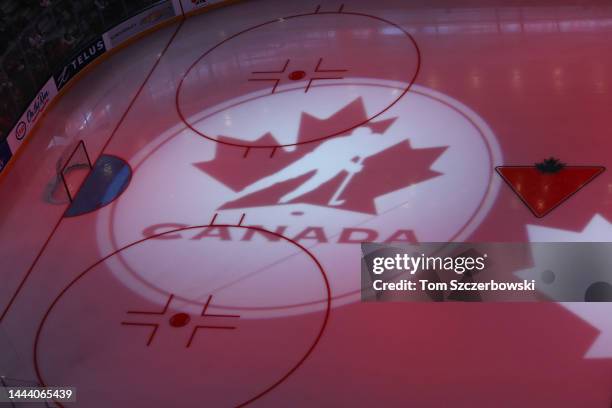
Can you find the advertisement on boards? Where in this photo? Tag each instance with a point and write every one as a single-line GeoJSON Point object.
{"type": "Point", "coordinates": [29, 118]}
{"type": "Point", "coordinates": [151, 17]}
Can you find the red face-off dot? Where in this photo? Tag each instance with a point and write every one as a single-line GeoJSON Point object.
{"type": "Point", "coordinates": [179, 320]}
{"type": "Point", "coordinates": [297, 75]}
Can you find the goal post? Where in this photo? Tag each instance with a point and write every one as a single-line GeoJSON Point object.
{"type": "Point", "coordinates": [75, 169]}
{"type": "Point", "coordinates": [72, 168]}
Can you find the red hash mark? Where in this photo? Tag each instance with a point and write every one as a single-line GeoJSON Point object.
{"type": "Point", "coordinates": [318, 69]}
{"type": "Point", "coordinates": [275, 80]}
{"type": "Point", "coordinates": [340, 10]}
{"type": "Point", "coordinates": [179, 320]}
{"type": "Point", "coordinates": [297, 75]}
{"type": "Point", "coordinates": [204, 314]}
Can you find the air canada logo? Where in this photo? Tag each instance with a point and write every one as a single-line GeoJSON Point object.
{"type": "Point", "coordinates": [345, 172]}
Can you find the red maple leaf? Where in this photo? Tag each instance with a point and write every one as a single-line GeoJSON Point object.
{"type": "Point", "coordinates": [394, 168]}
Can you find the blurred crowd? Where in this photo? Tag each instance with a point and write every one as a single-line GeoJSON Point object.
{"type": "Point", "coordinates": [37, 37]}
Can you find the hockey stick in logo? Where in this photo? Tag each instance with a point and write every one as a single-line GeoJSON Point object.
{"type": "Point", "coordinates": [335, 200]}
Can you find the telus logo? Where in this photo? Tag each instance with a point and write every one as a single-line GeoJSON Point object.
{"type": "Point", "coordinates": [81, 60]}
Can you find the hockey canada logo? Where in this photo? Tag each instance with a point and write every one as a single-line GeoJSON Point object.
{"type": "Point", "coordinates": [343, 172]}
{"type": "Point", "coordinates": [420, 172]}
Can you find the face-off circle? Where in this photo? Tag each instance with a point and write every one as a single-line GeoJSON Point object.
{"type": "Point", "coordinates": [285, 54]}
{"type": "Point", "coordinates": [425, 174]}
{"type": "Point", "coordinates": [169, 352]}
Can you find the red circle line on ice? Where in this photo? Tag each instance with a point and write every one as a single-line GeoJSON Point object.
{"type": "Point", "coordinates": [289, 240]}
{"type": "Point", "coordinates": [185, 120]}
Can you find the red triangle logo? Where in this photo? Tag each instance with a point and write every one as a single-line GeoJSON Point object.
{"type": "Point", "coordinates": [542, 192]}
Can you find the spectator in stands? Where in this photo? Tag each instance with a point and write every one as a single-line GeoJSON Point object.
{"type": "Point", "coordinates": [69, 40]}
{"type": "Point", "coordinates": [36, 39]}
{"type": "Point", "coordinates": [112, 12]}
{"type": "Point", "coordinates": [6, 85]}
{"type": "Point", "coordinates": [67, 43]}
{"type": "Point", "coordinates": [6, 122]}
{"type": "Point", "coordinates": [38, 66]}
{"type": "Point", "coordinates": [66, 13]}
{"type": "Point", "coordinates": [15, 82]}
{"type": "Point", "coordinates": [101, 5]}
{"type": "Point", "coordinates": [38, 36]}
{"type": "Point", "coordinates": [4, 34]}
{"type": "Point", "coordinates": [17, 25]}
{"type": "Point", "coordinates": [3, 21]}
{"type": "Point", "coordinates": [8, 107]}
{"type": "Point", "coordinates": [4, 43]}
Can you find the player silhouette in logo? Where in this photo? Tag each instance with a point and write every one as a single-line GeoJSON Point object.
{"type": "Point", "coordinates": [330, 158]}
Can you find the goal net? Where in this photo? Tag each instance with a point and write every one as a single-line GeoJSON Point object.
{"type": "Point", "coordinates": [72, 168]}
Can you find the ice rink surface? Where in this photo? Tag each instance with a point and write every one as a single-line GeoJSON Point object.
{"type": "Point", "coordinates": [265, 140]}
